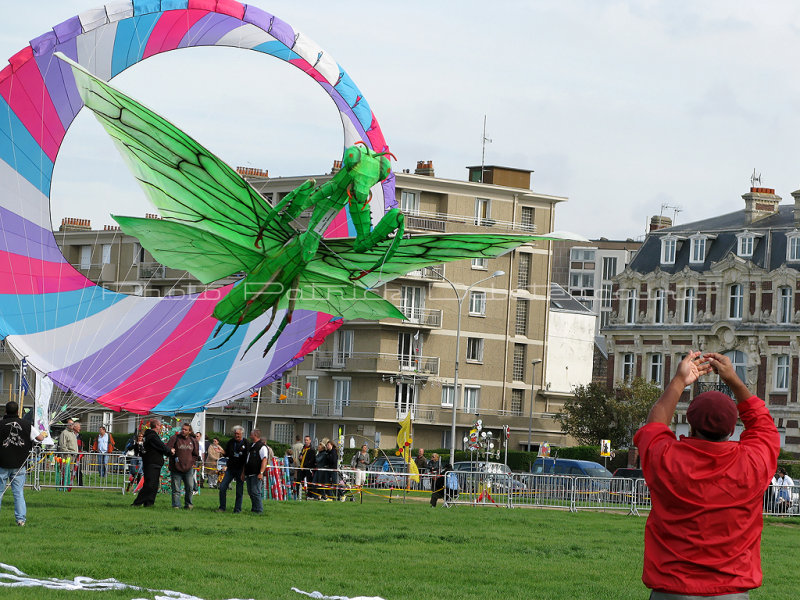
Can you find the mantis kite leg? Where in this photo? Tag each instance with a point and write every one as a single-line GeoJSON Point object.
{"type": "Point", "coordinates": [287, 318]}
{"type": "Point", "coordinates": [392, 221]}
{"type": "Point", "coordinates": [295, 202]}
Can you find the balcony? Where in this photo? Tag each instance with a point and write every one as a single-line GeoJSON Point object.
{"type": "Point", "coordinates": [152, 271]}
{"type": "Point", "coordinates": [376, 363]}
{"type": "Point", "coordinates": [425, 317]}
{"type": "Point", "coordinates": [438, 222]}
{"type": "Point", "coordinates": [433, 273]}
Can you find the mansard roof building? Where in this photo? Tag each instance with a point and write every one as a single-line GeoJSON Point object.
{"type": "Point", "coordinates": [728, 284]}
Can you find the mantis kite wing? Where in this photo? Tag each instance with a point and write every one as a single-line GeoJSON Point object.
{"type": "Point", "coordinates": [184, 180]}
{"type": "Point", "coordinates": [206, 256]}
{"type": "Point", "coordinates": [336, 258]}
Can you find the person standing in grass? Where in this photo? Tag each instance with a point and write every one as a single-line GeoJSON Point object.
{"type": "Point", "coordinates": [259, 455]}
{"type": "Point", "coordinates": [703, 535]}
{"type": "Point", "coordinates": [103, 445]}
{"type": "Point", "coordinates": [16, 440]}
{"type": "Point", "coordinates": [153, 452]}
{"type": "Point", "coordinates": [307, 461]}
{"type": "Point", "coordinates": [236, 453]}
{"type": "Point", "coordinates": [184, 451]}
{"type": "Point", "coordinates": [360, 463]}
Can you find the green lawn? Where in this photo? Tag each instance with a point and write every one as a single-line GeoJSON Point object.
{"type": "Point", "coordinates": [395, 551]}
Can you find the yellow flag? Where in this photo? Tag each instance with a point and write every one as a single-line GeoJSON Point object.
{"type": "Point", "coordinates": [405, 433]}
{"type": "Point", "coordinates": [412, 468]}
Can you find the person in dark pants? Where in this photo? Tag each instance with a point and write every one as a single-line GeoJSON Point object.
{"type": "Point", "coordinates": [153, 452]}
{"type": "Point", "coordinates": [258, 457]}
{"type": "Point", "coordinates": [307, 460]}
{"type": "Point", "coordinates": [236, 452]}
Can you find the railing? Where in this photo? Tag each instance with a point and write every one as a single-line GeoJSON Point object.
{"type": "Point", "coordinates": [429, 317]}
{"type": "Point", "coordinates": [434, 221]}
{"type": "Point", "coordinates": [65, 471]}
{"type": "Point", "coordinates": [433, 273]}
{"type": "Point", "coordinates": [377, 362]}
{"type": "Point", "coordinates": [714, 387]}
{"type": "Point", "coordinates": [152, 271]}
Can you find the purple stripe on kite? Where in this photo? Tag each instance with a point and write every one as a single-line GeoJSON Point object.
{"type": "Point", "coordinates": [69, 29]}
{"type": "Point", "coordinates": [278, 29]}
{"type": "Point", "coordinates": [107, 368]}
{"type": "Point", "coordinates": [344, 107]}
{"type": "Point", "coordinates": [59, 80]}
{"type": "Point", "coordinates": [208, 30]}
{"type": "Point", "coordinates": [20, 236]}
{"type": "Point", "coordinates": [44, 43]}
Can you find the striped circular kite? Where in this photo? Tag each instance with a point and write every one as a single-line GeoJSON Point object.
{"type": "Point", "coordinates": [134, 353]}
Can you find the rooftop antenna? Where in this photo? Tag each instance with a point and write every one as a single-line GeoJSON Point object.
{"type": "Point", "coordinates": [483, 146]}
{"type": "Point", "coordinates": [755, 179]}
{"type": "Point", "coordinates": [675, 210]}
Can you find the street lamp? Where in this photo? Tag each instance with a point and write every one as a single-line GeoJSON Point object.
{"type": "Point", "coordinates": [460, 300]}
{"type": "Point", "coordinates": [530, 413]}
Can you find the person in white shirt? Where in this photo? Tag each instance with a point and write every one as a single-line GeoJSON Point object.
{"type": "Point", "coordinates": [783, 485]}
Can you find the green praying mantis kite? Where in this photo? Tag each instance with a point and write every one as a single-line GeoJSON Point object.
{"type": "Point", "coordinates": [214, 224]}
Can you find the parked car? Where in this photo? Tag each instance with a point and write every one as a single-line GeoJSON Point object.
{"type": "Point", "coordinates": [388, 471]}
{"type": "Point", "coordinates": [474, 475]}
{"type": "Point", "coordinates": [628, 473]}
{"type": "Point", "coordinates": [569, 466]}
{"type": "Point", "coordinates": [569, 473]}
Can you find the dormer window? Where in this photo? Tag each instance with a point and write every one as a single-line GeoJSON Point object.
{"type": "Point", "coordinates": [669, 245]}
{"type": "Point", "coordinates": [699, 247]}
{"type": "Point", "coordinates": [793, 246]}
{"type": "Point", "coordinates": [745, 249]}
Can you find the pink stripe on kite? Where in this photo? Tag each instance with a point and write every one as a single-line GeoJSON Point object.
{"type": "Point", "coordinates": [209, 5]}
{"type": "Point", "coordinates": [338, 227]}
{"type": "Point", "coordinates": [323, 328]}
{"type": "Point", "coordinates": [375, 136]}
{"type": "Point", "coordinates": [23, 275]}
{"type": "Point", "coordinates": [171, 29]}
{"type": "Point", "coordinates": [303, 65]}
{"type": "Point", "coordinates": [26, 94]}
{"type": "Point", "coordinates": [157, 376]}
{"type": "Point", "coordinates": [230, 7]}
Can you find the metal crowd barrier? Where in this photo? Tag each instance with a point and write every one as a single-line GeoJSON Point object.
{"type": "Point", "coordinates": [66, 471]}
{"type": "Point", "coordinates": [782, 500]}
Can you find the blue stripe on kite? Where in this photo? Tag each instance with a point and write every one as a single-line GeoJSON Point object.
{"type": "Point", "coordinates": [131, 40]}
{"type": "Point", "coordinates": [144, 7]}
{"type": "Point", "coordinates": [277, 49]}
{"type": "Point", "coordinates": [174, 4]}
{"type": "Point", "coordinates": [347, 88]}
{"type": "Point", "coordinates": [22, 152]}
{"type": "Point", "coordinates": [363, 113]}
{"type": "Point", "coordinates": [203, 379]}
{"type": "Point", "coordinates": [26, 314]}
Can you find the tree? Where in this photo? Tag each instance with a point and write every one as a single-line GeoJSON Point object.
{"type": "Point", "coordinates": [597, 412]}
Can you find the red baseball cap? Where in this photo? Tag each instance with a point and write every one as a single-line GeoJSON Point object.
{"type": "Point", "coordinates": [713, 414]}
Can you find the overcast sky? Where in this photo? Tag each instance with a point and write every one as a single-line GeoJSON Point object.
{"type": "Point", "coordinates": [621, 106]}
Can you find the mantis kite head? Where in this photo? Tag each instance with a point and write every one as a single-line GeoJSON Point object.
{"type": "Point", "coordinates": [365, 168]}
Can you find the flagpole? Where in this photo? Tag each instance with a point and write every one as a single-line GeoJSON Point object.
{"type": "Point", "coordinates": [258, 404]}
{"type": "Point", "coordinates": [19, 391]}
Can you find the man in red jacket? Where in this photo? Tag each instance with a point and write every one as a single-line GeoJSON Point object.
{"type": "Point", "coordinates": [703, 535]}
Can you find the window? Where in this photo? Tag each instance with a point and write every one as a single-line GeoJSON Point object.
{"type": "Point", "coordinates": [782, 372]}
{"type": "Point", "coordinates": [739, 363]}
{"type": "Point", "coordinates": [106, 248]}
{"type": "Point", "coordinates": [521, 325]}
{"type": "Point", "coordinates": [86, 257]}
{"type": "Point", "coordinates": [527, 220]}
{"type": "Point", "coordinates": [517, 397]}
{"type": "Point", "coordinates": [793, 246]}
{"type": "Point", "coordinates": [745, 246]}
{"type": "Point", "coordinates": [138, 253]}
{"type": "Point", "coordinates": [95, 421]}
{"type": "Point", "coordinates": [668, 245]}
{"type": "Point", "coordinates": [656, 368]}
{"type": "Point", "coordinates": [404, 396]}
{"type": "Point", "coordinates": [480, 263]}
{"type": "Point", "coordinates": [474, 349]}
{"type": "Point", "coordinates": [406, 353]}
{"type": "Point", "coordinates": [582, 255]}
{"type": "Point", "coordinates": [659, 307]}
{"type": "Point", "coordinates": [627, 366]}
{"type": "Point", "coordinates": [736, 300]}
{"type": "Point", "coordinates": [697, 252]}
{"type": "Point", "coordinates": [282, 432]}
{"type": "Point", "coordinates": [483, 212]}
{"type": "Point", "coordinates": [341, 394]}
{"type": "Point", "coordinates": [609, 267]}
{"type": "Point", "coordinates": [518, 368]}
{"type": "Point", "coordinates": [471, 399]}
{"type": "Point", "coordinates": [523, 270]}
{"type": "Point", "coordinates": [448, 395]}
{"type": "Point", "coordinates": [606, 295]}
{"type": "Point", "coordinates": [605, 318]}
{"type": "Point", "coordinates": [630, 309]}
{"type": "Point", "coordinates": [409, 202]}
{"type": "Point", "coordinates": [312, 385]}
{"type": "Point", "coordinates": [343, 340]}
{"type": "Point", "coordinates": [784, 305]}
{"type": "Point", "coordinates": [689, 305]}
{"type": "Point", "coordinates": [411, 302]}
{"type": "Point", "coordinates": [477, 303]}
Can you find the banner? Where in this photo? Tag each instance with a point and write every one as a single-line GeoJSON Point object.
{"type": "Point", "coordinates": [41, 406]}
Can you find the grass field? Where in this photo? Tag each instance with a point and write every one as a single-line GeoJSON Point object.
{"type": "Point", "coordinates": [395, 551]}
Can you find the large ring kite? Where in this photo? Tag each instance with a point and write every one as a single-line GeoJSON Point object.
{"type": "Point", "coordinates": [133, 353]}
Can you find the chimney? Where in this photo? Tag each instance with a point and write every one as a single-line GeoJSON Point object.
{"type": "Point", "coordinates": [660, 222]}
{"type": "Point", "coordinates": [796, 212]}
{"type": "Point", "coordinates": [110, 227]}
{"type": "Point", "coordinates": [760, 202]}
{"type": "Point", "coordinates": [73, 224]}
{"type": "Point", "coordinates": [252, 172]}
{"type": "Point", "coordinates": [424, 167]}
{"type": "Point", "coordinates": [337, 166]}
{"type": "Point", "coordinates": [151, 216]}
